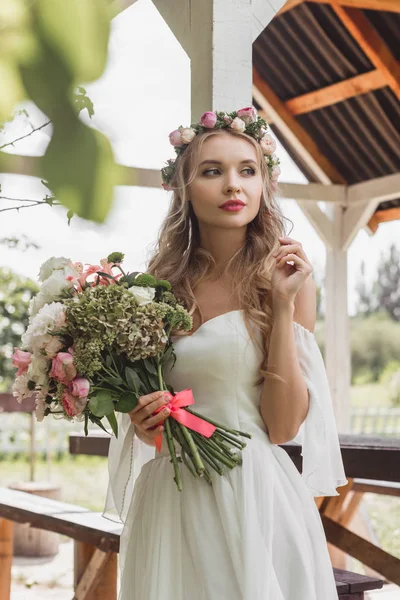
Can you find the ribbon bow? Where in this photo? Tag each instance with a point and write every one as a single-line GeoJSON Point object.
{"type": "Point", "coordinates": [175, 404]}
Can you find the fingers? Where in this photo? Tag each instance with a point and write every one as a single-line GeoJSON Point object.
{"type": "Point", "coordinates": [143, 416]}
{"type": "Point", "coordinates": [143, 401]}
{"type": "Point", "coordinates": [289, 250]}
{"type": "Point", "coordinates": [305, 266]}
{"type": "Point", "coordinates": [157, 419]}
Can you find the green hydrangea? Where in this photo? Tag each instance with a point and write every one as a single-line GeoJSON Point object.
{"type": "Point", "coordinates": [87, 356]}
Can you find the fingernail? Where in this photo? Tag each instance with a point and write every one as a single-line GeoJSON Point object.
{"type": "Point", "coordinates": [166, 411]}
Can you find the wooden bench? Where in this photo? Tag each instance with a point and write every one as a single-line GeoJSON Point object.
{"type": "Point", "coordinates": [97, 544]}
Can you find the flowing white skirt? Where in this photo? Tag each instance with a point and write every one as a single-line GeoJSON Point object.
{"type": "Point", "coordinates": [256, 534]}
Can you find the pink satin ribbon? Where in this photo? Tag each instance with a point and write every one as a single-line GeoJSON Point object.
{"type": "Point", "coordinates": [175, 404]}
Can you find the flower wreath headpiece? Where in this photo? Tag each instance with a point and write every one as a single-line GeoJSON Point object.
{"type": "Point", "coordinates": [244, 120]}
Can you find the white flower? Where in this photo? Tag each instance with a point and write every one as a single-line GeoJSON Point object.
{"type": "Point", "coordinates": [38, 369]}
{"type": "Point", "coordinates": [40, 409]}
{"type": "Point", "coordinates": [187, 134]}
{"type": "Point", "coordinates": [238, 124]}
{"type": "Point", "coordinates": [52, 346]}
{"type": "Point", "coordinates": [143, 295]}
{"type": "Point", "coordinates": [51, 265]}
{"type": "Point", "coordinates": [37, 333]}
{"type": "Point", "coordinates": [57, 282]}
{"type": "Point", "coordinates": [20, 387]}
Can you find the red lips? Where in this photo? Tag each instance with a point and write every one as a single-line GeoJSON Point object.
{"type": "Point", "coordinates": [232, 203]}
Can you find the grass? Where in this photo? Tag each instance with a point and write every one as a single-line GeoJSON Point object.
{"type": "Point", "coordinates": [82, 479]}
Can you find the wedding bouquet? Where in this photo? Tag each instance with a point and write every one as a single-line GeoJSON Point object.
{"type": "Point", "coordinates": [99, 338]}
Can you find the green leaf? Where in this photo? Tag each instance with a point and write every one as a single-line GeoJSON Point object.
{"type": "Point", "coordinates": [105, 275]}
{"type": "Point", "coordinates": [132, 379]}
{"type": "Point", "coordinates": [150, 367]}
{"type": "Point", "coordinates": [97, 422]}
{"type": "Point", "coordinates": [113, 422]}
{"type": "Point", "coordinates": [114, 380]}
{"type": "Point", "coordinates": [101, 403]}
{"type": "Point", "coordinates": [126, 403]}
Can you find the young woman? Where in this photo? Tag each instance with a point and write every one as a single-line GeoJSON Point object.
{"type": "Point", "coordinates": [252, 363]}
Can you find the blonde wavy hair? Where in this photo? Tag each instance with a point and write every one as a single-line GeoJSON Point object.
{"type": "Point", "coordinates": [178, 257]}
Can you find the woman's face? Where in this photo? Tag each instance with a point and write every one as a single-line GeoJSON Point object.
{"type": "Point", "coordinates": [227, 170]}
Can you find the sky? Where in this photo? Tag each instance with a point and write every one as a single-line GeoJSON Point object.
{"type": "Point", "coordinates": [143, 94]}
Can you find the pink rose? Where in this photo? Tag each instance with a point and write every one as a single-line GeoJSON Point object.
{"type": "Point", "coordinates": [248, 114]}
{"type": "Point", "coordinates": [79, 387]}
{"type": "Point", "coordinates": [208, 120]}
{"type": "Point", "coordinates": [188, 134]}
{"type": "Point", "coordinates": [276, 171]}
{"type": "Point", "coordinates": [175, 138]}
{"type": "Point", "coordinates": [21, 361]}
{"type": "Point", "coordinates": [268, 144]}
{"type": "Point", "coordinates": [63, 367]}
{"type": "Point", "coordinates": [166, 187]}
{"type": "Point", "coordinates": [227, 119]}
{"type": "Point", "coordinates": [73, 406]}
{"type": "Point", "coordinates": [238, 125]}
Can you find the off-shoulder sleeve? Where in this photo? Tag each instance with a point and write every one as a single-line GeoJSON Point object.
{"type": "Point", "coordinates": [126, 456]}
{"type": "Point", "coordinates": [323, 469]}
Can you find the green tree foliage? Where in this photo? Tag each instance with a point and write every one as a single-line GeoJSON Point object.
{"type": "Point", "coordinates": [375, 341]}
{"type": "Point", "coordinates": [384, 292]}
{"type": "Point", "coordinates": [47, 48]}
{"type": "Point", "coordinates": [15, 294]}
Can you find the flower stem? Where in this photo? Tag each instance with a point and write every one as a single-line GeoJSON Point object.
{"type": "Point", "coordinates": [218, 425]}
{"type": "Point", "coordinates": [172, 452]}
{"type": "Point", "coordinates": [194, 453]}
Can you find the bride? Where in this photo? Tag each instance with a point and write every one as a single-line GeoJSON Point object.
{"type": "Point", "coordinates": [252, 363]}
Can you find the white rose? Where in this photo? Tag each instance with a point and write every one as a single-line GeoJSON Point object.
{"type": "Point", "coordinates": [187, 134]}
{"type": "Point", "coordinates": [143, 295]}
{"type": "Point", "coordinates": [54, 285]}
{"type": "Point", "coordinates": [238, 125]}
{"type": "Point", "coordinates": [51, 265]}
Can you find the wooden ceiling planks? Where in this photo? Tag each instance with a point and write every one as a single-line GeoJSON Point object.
{"type": "Point", "coordinates": [372, 44]}
{"type": "Point", "coordinates": [385, 5]}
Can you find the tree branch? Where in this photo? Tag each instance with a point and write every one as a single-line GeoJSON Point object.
{"type": "Point", "coordinates": [25, 136]}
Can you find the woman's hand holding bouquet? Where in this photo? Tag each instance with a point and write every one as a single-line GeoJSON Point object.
{"type": "Point", "coordinates": [97, 343]}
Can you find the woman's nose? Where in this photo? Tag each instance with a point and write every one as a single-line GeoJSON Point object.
{"type": "Point", "coordinates": [232, 185]}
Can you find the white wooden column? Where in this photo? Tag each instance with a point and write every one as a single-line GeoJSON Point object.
{"type": "Point", "coordinates": [337, 343]}
{"type": "Point", "coordinates": [218, 37]}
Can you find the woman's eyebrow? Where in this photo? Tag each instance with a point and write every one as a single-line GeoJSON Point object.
{"type": "Point", "coordinates": [218, 162]}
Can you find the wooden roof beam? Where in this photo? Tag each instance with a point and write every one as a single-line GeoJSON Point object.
{"type": "Point", "coordinates": [383, 216]}
{"type": "Point", "coordinates": [372, 44]}
{"type": "Point", "coordinates": [294, 133]}
{"type": "Point", "coordinates": [337, 92]}
{"type": "Point", "coordinates": [384, 5]}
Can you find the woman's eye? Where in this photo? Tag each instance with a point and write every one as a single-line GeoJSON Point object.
{"type": "Point", "coordinates": [252, 171]}
{"type": "Point", "coordinates": [209, 171]}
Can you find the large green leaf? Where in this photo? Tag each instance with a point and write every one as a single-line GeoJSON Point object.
{"type": "Point", "coordinates": [113, 422]}
{"type": "Point", "coordinates": [133, 380]}
{"type": "Point", "coordinates": [101, 403]}
{"type": "Point", "coordinates": [126, 403]}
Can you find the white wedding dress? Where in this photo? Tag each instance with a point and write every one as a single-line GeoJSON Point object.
{"type": "Point", "coordinates": [256, 533]}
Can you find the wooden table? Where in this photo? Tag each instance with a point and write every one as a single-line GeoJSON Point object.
{"type": "Point", "coordinates": [364, 457]}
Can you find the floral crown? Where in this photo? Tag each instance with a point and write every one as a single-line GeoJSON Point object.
{"type": "Point", "coordinates": [244, 120]}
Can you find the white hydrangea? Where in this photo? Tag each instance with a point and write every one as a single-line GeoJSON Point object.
{"type": "Point", "coordinates": [143, 295]}
{"type": "Point", "coordinates": [52, 264]}
{"type": "Point", "coordinates": [37, 333]}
